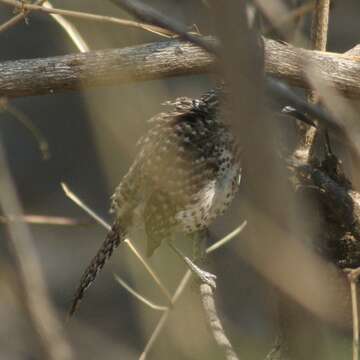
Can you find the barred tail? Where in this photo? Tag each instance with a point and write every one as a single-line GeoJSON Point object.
{"type": "Point", "coordinates": [113, 239]}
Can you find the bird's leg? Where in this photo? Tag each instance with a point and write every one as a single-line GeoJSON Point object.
{"type": "Point", "coordinates": [202, 275]}
{"type": "Point", "coordinates": [199, 240]}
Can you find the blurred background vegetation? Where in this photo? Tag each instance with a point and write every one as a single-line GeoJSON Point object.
{"type": "Point", "coordinates": [92, 138]}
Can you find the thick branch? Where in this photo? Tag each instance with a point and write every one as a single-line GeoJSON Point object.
{"type": "Point", "coordinates": [289, 63]}
{"type": "Point", "coordinates": [165, 59]}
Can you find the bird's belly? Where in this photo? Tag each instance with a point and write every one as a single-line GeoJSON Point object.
{"type": "Point", "coordinates": [214, 199]}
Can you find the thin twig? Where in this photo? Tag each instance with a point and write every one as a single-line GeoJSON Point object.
{"type": "Point", "coordinates": [29, 274]}
{"type": "Point", "coordinates": [355, 315]}
{"type": "Point", "coordinates": [214, 322]}
{"type": "Point", "coordinates": [87, 16]}
{"type": "Point", "coordinates": [29, 125]}
{"type": "Point", "coordinates": [159, 326]}
{"type": "Point", "coordinates": [147, 14]}
{"type": "Point", "coordinates": [138, 296]}
{"type": "Point", "coordinates": [353, 275]}
{"type": "Point", "coordinates": [43, 220]}
{"type": "Point", "coordinates": [17, 18]}
{"type": "Point", "coordinates": [149, 270]}
{"type": "Point", "coordinates": [69, 28]}
{"type": "Point", "coordinates": [226, 238]}
{"type": "Point", "coordinates": [72, 196]}
{"type": "Point", "coordinates": [319, 31]}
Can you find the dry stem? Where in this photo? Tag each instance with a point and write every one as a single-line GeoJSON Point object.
{"type": "Point", "coordinates": [29, 274]}
{"type": "Point", "coordinates": [353, 275]}
{"type": "Point", "coordinates": [43, 220]}
{"type": "Point", "coordinates": [319, 31]}
{"type": "Point", "coordinates": [69, 28]}
{"type": "Point", "coordinates": [29, 125]}
{"type": "Point", "coordinates": [87, 16]}
{"type": "Point", "coordinates": [17, 18]}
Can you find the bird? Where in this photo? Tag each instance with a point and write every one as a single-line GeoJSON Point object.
{"type": "Point", "coordinates": [185, 175]}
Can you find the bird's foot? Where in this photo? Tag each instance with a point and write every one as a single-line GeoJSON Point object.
{"type": "Point", "coordinates": [207, 278]}
{"type": "Point", "coordinates": [202, 275]}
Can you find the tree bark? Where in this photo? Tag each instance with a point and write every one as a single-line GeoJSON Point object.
{"type": "Point", "coordinates": [166, 59]}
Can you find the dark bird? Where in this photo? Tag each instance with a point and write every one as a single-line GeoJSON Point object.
{"type": "Point", "coordinates": [185, 175]}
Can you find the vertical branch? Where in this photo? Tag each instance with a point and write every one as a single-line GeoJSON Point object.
{"type": "Point", "coordinates": [207, 300]}
{"type": "Point", "coordinates": [29, 274]}
{"type": "Point", "coordinates": [319, 32]}
{"type": "Point", "coordinates": [320, 25]}
{"type": "Point", "coordinates": [355, 315]}
{"type": "Point", "coordinates": [353, 276]}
